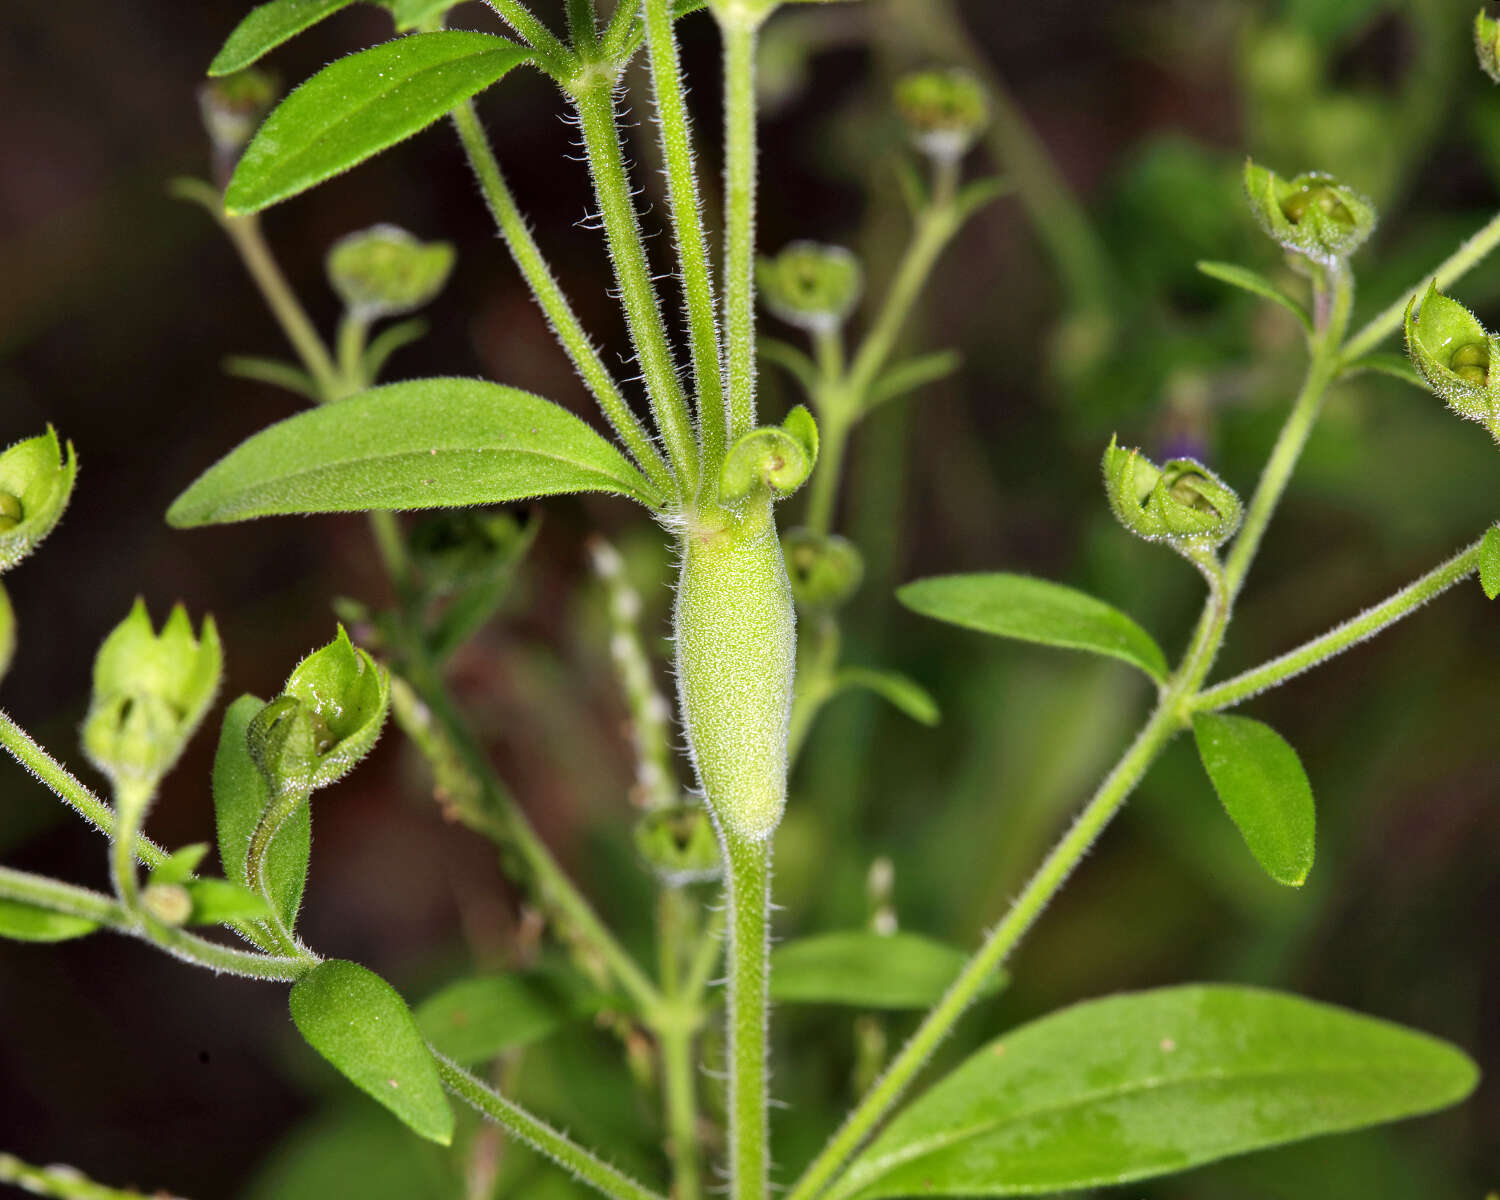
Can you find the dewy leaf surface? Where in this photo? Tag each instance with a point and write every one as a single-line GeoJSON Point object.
{"type": "Point", "coordinates": [266, 27]}
{"type": "Point", "coordinates": [429, 443]}
{"type": "Point", "coordinates": [356, 1020]}
{"type": "Point", "coordinates": [363, 104]}
{"type": "Point", "coordinates": [240, 796]}
{"type": "Point", "coordinates": [1152, 1083]}
{"type": "Point", "coordinates": [865, 969]}
{"type": "Point", "coordinates": [1264, 789]}
{"type": "Point", "coordinates": [1035, 610]}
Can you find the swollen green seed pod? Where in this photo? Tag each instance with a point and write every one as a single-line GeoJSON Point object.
{"type": "Point", "coordinates": [1312, 214]}
{"type": "Point", "coordinates": [736, 652]}
{"type": "Point", "coordinates": [1452, 351]}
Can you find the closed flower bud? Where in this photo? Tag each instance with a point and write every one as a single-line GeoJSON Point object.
{"type": "Point", "coordinates": [679, 844]}
{"type": "Point", "coordinates": [327, 718]}
{"type": "Point", "coordinates": [169, 903]}
{"type": "Point", "coordinates": [945, 111]}
{"type": "Point", "coordinates": [1312, 214]}
{"type": "Point", "coordinates": [1181, 502]}
{"type": "Point", "coordinates": [825, 569]}
{"type": "Point", "coordinates": [232, 107]}
{"type": "Point", "coordinates": [151, 691]}
{"type": "Point", "coordinates": [810, 285]}
{"type": "Point", "coordinates": [384, 271]}
{"type": "Point", "coordinates": [1453, 352]}
{"type": "Point", "coordinates": [1487, 44]}
{"type": "Point", "coordinates": [776, 458]}
{"type": "Point", "coordinates": [36, 481]}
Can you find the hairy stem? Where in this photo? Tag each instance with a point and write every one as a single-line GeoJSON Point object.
{"type": "Point", "coordinates": [554, 54]}
{"type": "Point", "coordinates": [63, 1183]}
{"type": "Point", "coordinates": [747, 865]}
{"type": "Point", "coordinates": [740, 34]}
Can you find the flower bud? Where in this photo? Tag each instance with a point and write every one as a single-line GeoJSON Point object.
{"type": "Point", "coordinates": [1312, 214]}
{"type": "Point", "coordinates": [945, 111]}
{"type": "Point", "coordinates": [233, 106]}
{"type": "Point", "coordinates": [384, 271]}
{"type": "Point", "coordinates": [776, 458]}
{"type": "Point", "coordinates": [169, 903]}
{"type": "Point", "coordinates": [810, 285]}
{"type": "Point", "coordinates": [1181, 502]}
{"type": "Point", "coordinates": [1487, 44]}
{"type": "Point", "coordinates": [825, 569]}
{"type": "Point", "coordinates": [327, 718]}
{"type": "Point", "coordinates": [36, 481]}
{"type": "Point", "coordinates": [679, 844]}
{"type": "Point", "coordinates": [1452, 351]}
{"type": "Point", "coordinates": [151, 691]}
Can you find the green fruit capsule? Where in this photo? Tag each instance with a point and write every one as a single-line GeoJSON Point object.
{"type": "Point", "coordinates": [736, 652]}
{"type": "Point", "coordinates": [1472, 363]}
{"type": "Point", "coordinates": [11, 511]}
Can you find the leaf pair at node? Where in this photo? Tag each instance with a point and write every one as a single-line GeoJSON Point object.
{"type": "Point", "coordinates": [174, 897]}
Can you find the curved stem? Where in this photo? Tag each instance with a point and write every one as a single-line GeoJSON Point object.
{"type": "Point", "coordinates": [580, 1163]}
{"type": "Point", "coordinates": [555, 306]}
{"type": "Point", "coordinates": [648, 333]}
{"type": "Point", "coordinates": [740, 33]}
{"type": "Point", "coordinates": [747, 866]}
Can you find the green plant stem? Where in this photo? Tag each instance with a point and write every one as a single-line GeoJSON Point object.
{"type": "Point", "coordinates": [1340, 638]}
{"type": "Point", "coordinates": [351, 350]}
{"type": "Point", "coordinates": [747, 867]}
{"type": "Point", "coordinates": [1448, 272]}
{"type": "Point", "coordinates": [817, 682]}
{"type": "Point", "coordinates": [277, 813]}
{"type": "Point", "coordinates": [63, 1183]}
{"type": "Point", "coordinates": [1333, 302]}
{"type": "Point", "coordinates": [555, 56]}
{"type": "Point", "coordinates": [130, 808]}
{"type": "Point", "coordinates": [706, 955]}
{"type": "Point", "coordinates": [582, 1164]}
{"type": "Point", "coordinates": [679, 1084]}
{"type": "Point", "coordinates": [740, 31]}
{"type": "Point", "coordinates": [555, 306]}
{"type": "Point", "coordinates": [687, 224]}
{"type": "Point", "coordinates": [648, 333]}
{"type": "Point", "coordinates": [245, 233]}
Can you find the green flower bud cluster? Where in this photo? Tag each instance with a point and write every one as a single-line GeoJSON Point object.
{"type": "Point", "coordinates": [1487, 44]}
{"type": "Point", "coordinates": [1312, 214]}
{"type": "Point", "coordinates": [384, 271]}
{"type": "Point", "coordinates": [776, 459]}
{"type": "Point", "coordinates": [232, 107]}
{"type": "Point", "coordinates": [151, 691]}
{"type": "Point", "coordinates": [1453, 352]}
{"type": "Point", "coordinates": [36, 482]}
{"type": "Point", "coordinates": [811, 285]}
{"type": "Point", "coordinates": [326, 719]}
{"type": "Point", "coordinates": [825, 569]}
{"type": "Point", "coordinates": [679, 844]}
{"type": "Point", "coordinates": [1181, 502]}
{"type": "Point", "coordinates": [945, 111]}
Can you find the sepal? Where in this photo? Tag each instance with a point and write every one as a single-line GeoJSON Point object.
{"type": "Point", "coordinates": [384, 271]}
{"type": "Point", "coordinates": [778, 458]}
{"type": "Point", "coordinates": [1311, 214]}
{"type": "Point", "coordinates": [1452, 351]}
{"type": "Point", "coordinates": [945, 111]}
{"type": "Point", "coordinates": [1487, 44]}
{"type": "Point", "coordinates": [1181, 502]}
{"type": "Point", "coordinates": [811, 285]}
{"type": "Point", "coordinates": [36, 482]}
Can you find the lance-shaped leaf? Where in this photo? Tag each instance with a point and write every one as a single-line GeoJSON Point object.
{"type": "Point", "coordinates": [24, 922]}
{"type": "Point", "coordinates": [266, 27]}
{"type": "Point", "coordinates": [865, 969]}
{"type": "Point", "coordinates": [1264, 789]}
{"type": "Point", "coordinates": [363, 104]}
{"type": "Point", "coordinates": [1257, 285]}
{"type": "Point", "coordinates": [1150, 1084]}
{"type": "Point", "coordinates": [358, 1022]}
{"type": "Point", "coordinates": [894, 688]}
{"type": "Point", "coordinates": [430, 443]}
{"type": "Point", "coordinates": [1035, 610]}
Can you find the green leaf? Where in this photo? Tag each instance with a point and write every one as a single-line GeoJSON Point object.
{"type": "Point", "coordinates": [475, 1019]}
{"type": "Point", "coordinates": [1140, 1085]}
{"type": "Point", "coordinates": [864, 969]}
{"type": "Point", "coordinates": [1256, 284]}
{"type": "Point", "coordinates": [240, 796]}
{"type": "Point", "coordinates": [388, 341]}
{"type": "Point", "coordinates": [912, 374]}
{"type": "Point", "coordinates": [1264, 789]}
{"type": "Point", "coordinates": [429, 443]}
{"type": "Point", "coordinates": [897, 689]}
{"type": "Point", "coordinates": [1397, 366]}
{"type": "Point", "coordinates": [180, 865]}
{"type": "Point", "coordinates": [1489, 563]}
{"type": "Point", "coordinates": [1035, 610]}
{"type": "Point", "coordinates": [363, 104]}
{"type": "Point", "coordinates": [266, 27]}
{"type": "Point", "coordinates": [24, 922]}
{"type": "Point", "coordinates": [792, 360]}
{"type": "Point", "coordinates": [217, 900]}
{"type": "Point", "coordinates": [275, 372]}
{"type": "Point", "coordinates": [356, 1020]}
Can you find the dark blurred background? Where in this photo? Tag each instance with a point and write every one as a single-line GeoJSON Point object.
{"type": "Point", "coordinates": [119, 304]}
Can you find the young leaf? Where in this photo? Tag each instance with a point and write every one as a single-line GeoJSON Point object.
{"type": "Point", "coordinates": [275, 372]}
{"type": "Point", "coordinates": [23, 922]}
{"type": "Point", "coordinates": [356, 1020]}
{"type": "Point", "coordinates": [387, 342]}
{"type": "Point", "coordinates": [1257, 285]}
{"type": "Point", "coordinates": [217, 900]}
{"type": "Point", "coordinates": [1153, 1083]}
{"type": "Point", "coordinates": [180, 866]}
{"type": "Point", "coordinates": [1489, 562]}
{"type": "Point", "coordinates": [1264, 789]}
{"type": "Point", "coordinates": [896, 689]}
{"type": "Point", "coordinates": [429, 443]}
{"type": "Point", "coordinates": [240, 796]}
{"type": "Point", "coordinates": [363, 104]}
{"type": "Point", "coordinates": [475, 1019]}
{"type": "Point", "coordinates": [1397, 366]}
{"type": "Point", "coordinates": [1035, 610]}
{"type": "Point", "coordinates": [266, 27]}
{"type": "Point", "coordinates": [913, 373]}
{"type": "Point", "coordinates": [864, 969]}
